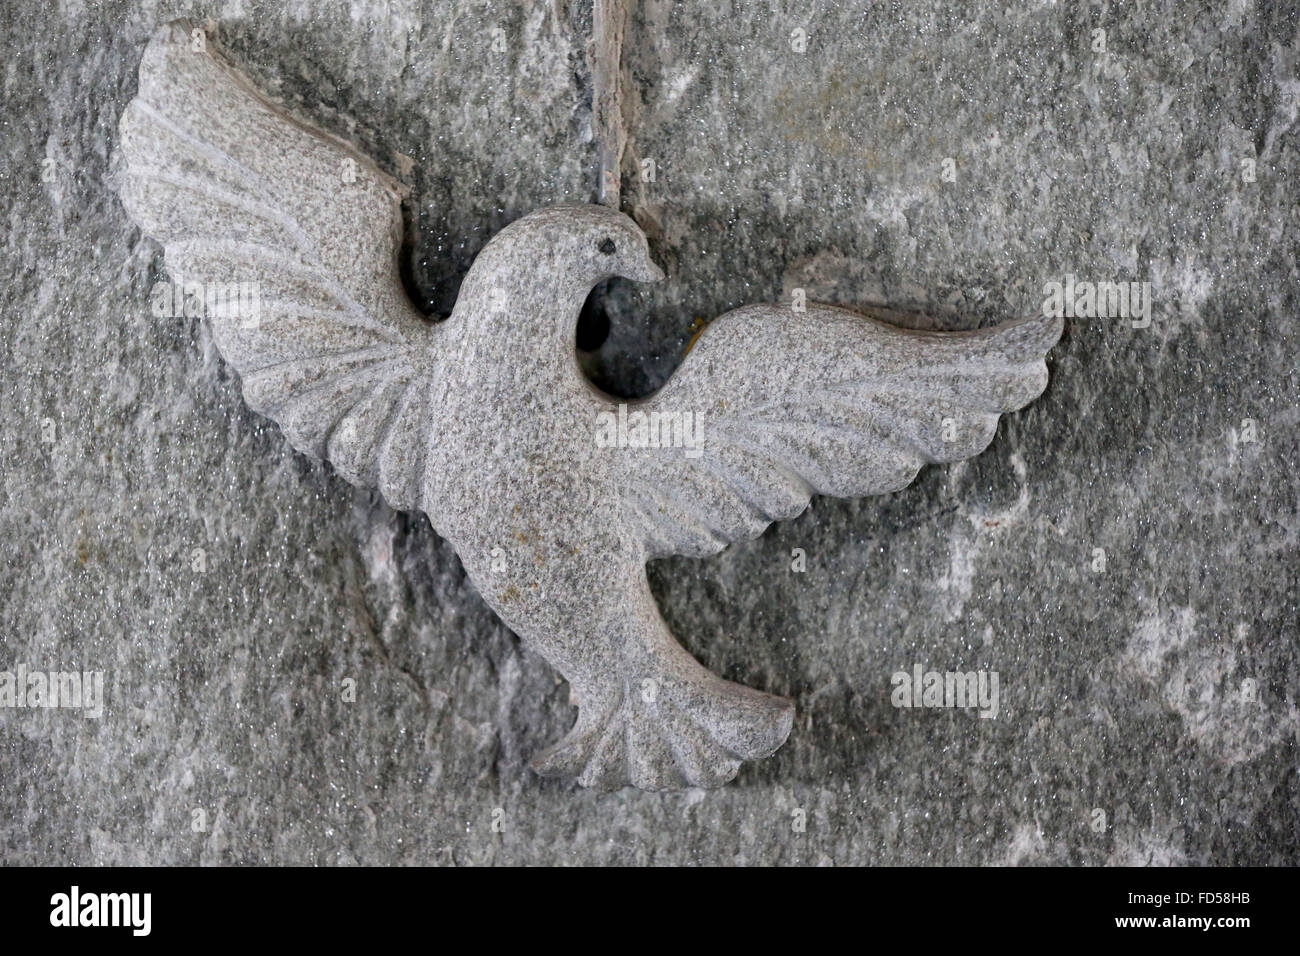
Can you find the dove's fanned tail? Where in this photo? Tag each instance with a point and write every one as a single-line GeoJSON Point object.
{"type": "Point", "coordinates": [652, 717]}
{"type": "Point", "coordinates": [677, 727]}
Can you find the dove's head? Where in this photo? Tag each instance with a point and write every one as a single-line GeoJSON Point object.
{"type": "Point", "coordinates": [531, 280]}
{"type": "Point", "coordinates": [603, 243]}
{"type": "Point", "coordinates": [577, 243]}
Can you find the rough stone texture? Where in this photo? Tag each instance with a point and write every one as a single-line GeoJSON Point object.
{"type": "Point", "coordinates": [1121, 690]}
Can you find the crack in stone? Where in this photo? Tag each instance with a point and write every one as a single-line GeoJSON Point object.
{"type": "Point", "coordinates": [365, 619]}
{"type": "Point", "coordinates": [609, 17]}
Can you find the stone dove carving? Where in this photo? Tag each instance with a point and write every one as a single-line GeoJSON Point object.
{"type": "Point", "coordinates": [553, 494]}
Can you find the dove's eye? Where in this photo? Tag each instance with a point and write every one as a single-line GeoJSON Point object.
{"type": "Point", "coordinates": [606, 246]}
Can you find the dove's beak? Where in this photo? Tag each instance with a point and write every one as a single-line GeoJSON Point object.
{"type": "Point", "coordinates": [646, 272]}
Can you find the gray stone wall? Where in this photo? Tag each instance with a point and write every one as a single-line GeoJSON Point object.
{"type": "Point", "coordinates": [949, 158]}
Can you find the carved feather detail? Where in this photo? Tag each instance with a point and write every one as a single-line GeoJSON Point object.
{"type": "Point", "coordinates": [238, 191]}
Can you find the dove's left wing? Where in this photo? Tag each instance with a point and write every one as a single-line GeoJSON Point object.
{"type": "Point", "coordinates": [291, 238]}
{"type": "Point", "coordinates": [772, 406]}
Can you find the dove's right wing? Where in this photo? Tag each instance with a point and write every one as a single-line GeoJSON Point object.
{"type": "Point", "coordinates": [773, 406]}
{"type": "Point", "coordinates": [293, 237]}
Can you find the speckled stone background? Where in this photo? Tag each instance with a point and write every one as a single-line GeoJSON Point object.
{"type": "Point", "coordinates": [1161, 691]}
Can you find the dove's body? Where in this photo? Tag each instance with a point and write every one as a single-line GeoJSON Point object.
{"type": "Point", "coordinates": [485, 423]}
{"type": "Point", "coordinates": [525, 495]}
{"type": "Point", "coordinates": [505, 486]}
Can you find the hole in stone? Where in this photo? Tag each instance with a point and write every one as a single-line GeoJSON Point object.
{"type": "Point", "coordinates": [593, 321]}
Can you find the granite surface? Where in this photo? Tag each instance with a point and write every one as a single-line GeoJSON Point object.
{"type": "Point", "coordinates": [294, 673]}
